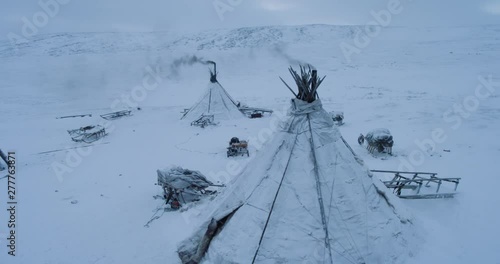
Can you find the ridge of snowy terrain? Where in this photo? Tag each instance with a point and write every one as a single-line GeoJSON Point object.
{"type": "Point", "coordinates": [406, 80]}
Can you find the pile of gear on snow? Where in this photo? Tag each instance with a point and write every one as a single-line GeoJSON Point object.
{"type": "Point", "coordinates": [183, 185]}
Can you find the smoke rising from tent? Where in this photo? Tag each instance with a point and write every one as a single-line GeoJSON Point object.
{"type": "Point", "coordinates": [187, 60]}
{"type": "Point", "coordinates": [279, 51]}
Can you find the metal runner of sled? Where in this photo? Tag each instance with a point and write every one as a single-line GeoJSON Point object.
{"type": "Point", "coordinates": [115, 115]}
{"type": "Point", "coordinates": [87, 134]}
{"type": "Point", "coordinates": [410, 185]}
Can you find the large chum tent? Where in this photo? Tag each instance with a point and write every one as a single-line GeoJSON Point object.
{"type": "Point", "coordinates": [215, 101]}
{"type": "Point", "coordinates": [306, 198]}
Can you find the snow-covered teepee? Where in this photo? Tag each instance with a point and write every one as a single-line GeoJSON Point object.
{"type": "Point", "coordinates": [215, 101]}
{"type": "Point", "coordinates": [306, 198]}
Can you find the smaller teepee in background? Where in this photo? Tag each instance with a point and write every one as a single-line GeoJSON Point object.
{"type": "Point", "coordinates": [215, 101]}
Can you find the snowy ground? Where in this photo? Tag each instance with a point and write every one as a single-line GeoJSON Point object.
{"type": "Point", "coordinates": [94, 211]}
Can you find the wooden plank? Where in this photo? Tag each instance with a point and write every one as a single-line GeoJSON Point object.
{"type": "Point", "coordinates": [406, 186]}
{"type": "Point", "coordinates": [404, 181]}
{"type": "Point", "coordinates": [72, 116]}
{"type": "Point", "coordinates": [428, 196]}
{"type": "Point", "coordinates": [404, 172]}
{"type": "Point", "coordinates": [57, 150]}
{"type": "Point", "coordinates": [255, 109]}
{"type": "Point", "coordinates": [4, 157]}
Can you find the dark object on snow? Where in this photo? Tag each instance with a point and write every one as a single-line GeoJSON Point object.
{"type": "Point", "coordinates": [203, 121]}
{"type": "Point", "coordinates": [237, 148]}
{"type": "Point", "coordinates": [338, 117]}
{"type": "Point", "coordinates": [72, 116]}
{"type": "Point", "coordinates": [175, 204]}
{"type": "Point", "coordinates": [87, 134]}
{"type": "Point", "coordinates": [378, 139]}
{"type": "Point", "coordinates": [256, 115]}
{"type": "Point", "coordinates": [115, 115]}
{"type": "Point", "coordinates": [213, 74]}
{"type": "Point", "coordinates": [234, 140]}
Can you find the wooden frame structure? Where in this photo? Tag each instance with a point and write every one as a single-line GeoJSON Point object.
{"type": "Point", "coordinates": [203, 121]}
{"type": "Point", "coordinates": [116, 115]}
{"type": "Point", "coordinates": [87, 134]}
{"type": "Point", "coordinates": [415, 180]}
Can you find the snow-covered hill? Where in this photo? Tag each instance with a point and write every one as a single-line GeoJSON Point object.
{"type": "Point", "coordinates": [409, 80]}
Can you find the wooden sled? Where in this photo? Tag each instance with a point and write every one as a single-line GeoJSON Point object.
{"type": "Point", "coordinates": [116, 115]}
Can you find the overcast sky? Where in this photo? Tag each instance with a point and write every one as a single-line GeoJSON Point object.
{"type": "Point", "coordinates": [197, 15]}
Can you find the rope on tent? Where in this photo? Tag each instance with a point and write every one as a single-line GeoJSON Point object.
{"type": "Point", "coordinates": [364, 190]}
{"type": "Point", "coordinates": [355, 246]}
{"type": "Point", "coordinates": [223, 101]}
{"type": "Point", "coordinates": [307, 233]}
{"type": "Point", "coordinates": [331, 190]}
{"type": "Point", "coordinates": [352, 242]}
{"type": "Point", "coordinates": [330, 211]}
{"type": "Point", "coordinates": [229, 96]}
{"type": "Point", "coordinates": [271, 164]}
{"type": "Point", "coordinates": [192, 107]}
{"type": "Point", "coordinates": [274, 200]}
{"type": "Point", "coordinates": [356, 157]}
{"type": "Point", "coordinates": [210, 100]}
{"type": "Point", "coordinates": [320, 195]}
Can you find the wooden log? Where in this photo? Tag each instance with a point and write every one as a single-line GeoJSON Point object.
{"type": "Point", "coordinates": [4, 157]}
{"type": "Point", "coordinates": [404, 172]}
{"type": "Point", "coordinates": [57, 150]}
{"type": "Point", "coordinates": [314, 76]}
{"type": "Point", "coordinates": [428, 196]}
{"type": "Point", "coordinates": [73, 116]}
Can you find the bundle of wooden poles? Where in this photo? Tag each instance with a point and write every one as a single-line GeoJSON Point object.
{"type": "Point", "coordinates": [307, 83]}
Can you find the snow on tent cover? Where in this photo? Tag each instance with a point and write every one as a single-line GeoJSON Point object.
{"type": "Point", "coordinates": [305, 198]}
{"type": "Point", "coordinates": [215, 101]}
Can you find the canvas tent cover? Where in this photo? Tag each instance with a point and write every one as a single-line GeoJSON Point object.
{"type": "Point", "coordinates": [304, 199]}
{"type": "Point", "coordinates": [179, 178]}
{"type": "Point", "coordinates": [215, 101]}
